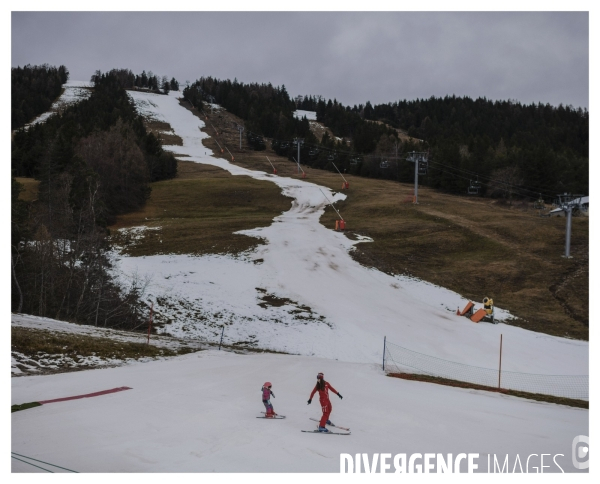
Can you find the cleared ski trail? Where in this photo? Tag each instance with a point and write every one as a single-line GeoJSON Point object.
{"type": "Point", "coordinates": [309, 263]}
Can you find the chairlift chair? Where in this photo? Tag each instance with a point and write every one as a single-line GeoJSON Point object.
{"type": "Point", "coordinates": [384, 164]}
{"type": "Point", "coordinates": [422, 170]}
{"type": "Point", "coordinates": [474, 187]}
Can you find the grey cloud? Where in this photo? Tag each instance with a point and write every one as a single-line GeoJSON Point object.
{"type": "Point", "coordinates": [352, 56]}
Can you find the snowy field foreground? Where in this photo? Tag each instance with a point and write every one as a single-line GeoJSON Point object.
{"type": "Point", "coordinates": [337, 308]}
{"type": "Point", "coordinates": [197, 413]}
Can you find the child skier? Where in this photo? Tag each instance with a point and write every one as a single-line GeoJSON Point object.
{"type": "Point", "coordinates": [323, 388]}
{"type": "Point", "coordinates": [266, 398]}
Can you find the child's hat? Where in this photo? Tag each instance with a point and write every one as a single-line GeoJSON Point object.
{"type": "Point", "coordinates": [320, 376]}
{"type": "Point", "coordinates": [267, 384]}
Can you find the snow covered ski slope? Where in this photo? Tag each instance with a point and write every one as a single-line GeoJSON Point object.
{"type": "Point", "coordinates": [352, 307]}
{"type": "Point", "coordinates": [196, 413]}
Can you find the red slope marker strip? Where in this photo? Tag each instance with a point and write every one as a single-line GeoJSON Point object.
{"type": "Point", "coordinates": [87, 395]}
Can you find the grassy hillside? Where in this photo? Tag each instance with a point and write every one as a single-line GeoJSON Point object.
{"type": "Point", "coordinates": [199, 211]}
{"type": "Point", "coordinates": [474, 246]}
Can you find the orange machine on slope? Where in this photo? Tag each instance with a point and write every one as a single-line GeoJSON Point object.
{"type": "Point", "coordinates": [478, 315]}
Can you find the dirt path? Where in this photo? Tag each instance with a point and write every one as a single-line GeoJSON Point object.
{"type": "Point", "coordinates": [478, 229]}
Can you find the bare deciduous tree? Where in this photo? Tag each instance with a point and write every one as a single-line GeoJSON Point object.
{"type": "Point", "coordinates": [505, 182]}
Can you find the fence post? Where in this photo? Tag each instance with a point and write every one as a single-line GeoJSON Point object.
{"type": "Point", "coordinates": [500, 366]}
{"type": "Point", "coordinates": [383, 367]}
{"type": "Point", "coordinates": [220, 342]}
{"type": "Point", "coordinates": [150, 322]}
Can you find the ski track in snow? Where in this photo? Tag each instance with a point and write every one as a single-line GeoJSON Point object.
{"type": "Point", "coordinates": [310, 264]}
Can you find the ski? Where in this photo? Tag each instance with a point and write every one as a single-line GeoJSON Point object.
{"type": "Point", "coordinates": [325, 433]}
{"type": "Point", "coordinates": [274, 418]}
{"type": "Point", "coordinates": [336, 426]}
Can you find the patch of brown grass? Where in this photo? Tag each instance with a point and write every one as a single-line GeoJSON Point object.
{"type": "Point", "coordinates": [571, 402]}
{"type": "Point", "coordinates": [478, 249]}
{"type": "Point", "coordinates": [30, 193]}
{"type": "Point", "coordinates": [34, 343]}
{"type": "Point", "coordinates": [199, 211]}
{"type": "Point", "coordinates": [163, 131]}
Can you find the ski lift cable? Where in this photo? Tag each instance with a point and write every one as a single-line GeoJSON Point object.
{"type": "Point", "coordinates": [519, 189]}
{"type": "Point", "coordinates": [349, 153]}
{"type": "Point", "coordinates": [517, 192]}
{"type": "Point", "coordinates": [306, 143]}
{"type": "Point", "coordinates": [322, 148]}
{"type": "Point", "coordinates": [319, 147]}
{"type": "Point", "coordinates": [490, 179]}
{"type": "Point", "coordinates": [487, 177]}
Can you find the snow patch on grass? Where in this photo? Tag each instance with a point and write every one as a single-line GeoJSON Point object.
{"type": "Point", "coordinates": [363, 238]}
{"type": "Point", "coordinates": [44, 361]}
{"type": "Point", "coordinates": [310, 115]}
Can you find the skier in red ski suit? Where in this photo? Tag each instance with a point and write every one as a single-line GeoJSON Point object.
{"type": "Point", "coordinates": [323, 388]}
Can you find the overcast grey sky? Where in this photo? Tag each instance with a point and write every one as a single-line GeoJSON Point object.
{"type": "Point", "coordinates": [354, 57]}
